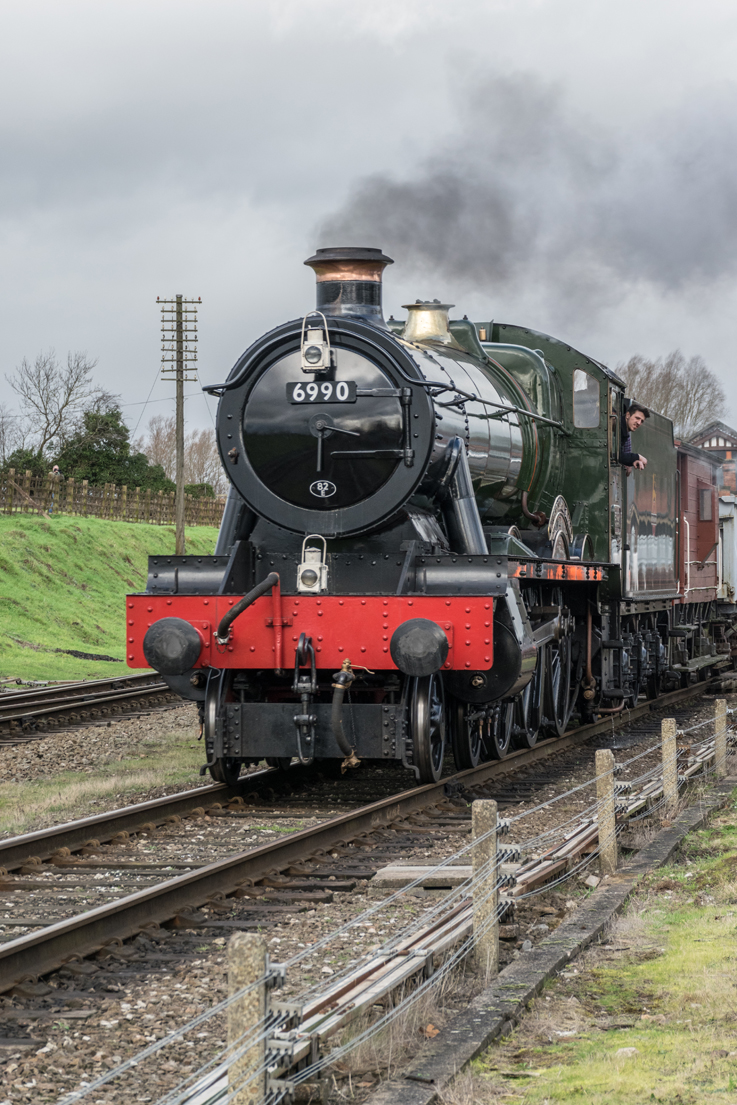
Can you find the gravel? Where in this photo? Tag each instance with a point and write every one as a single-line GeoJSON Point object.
{"type": "Point", "coordinates": [128, 1011]}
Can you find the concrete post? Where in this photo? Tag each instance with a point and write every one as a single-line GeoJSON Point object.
{"type": "Point", "coordinates": [670, 771]}
{"type": "Point", "coordinates": [720, 737]}
{"type": "Point", "coordinates": [246, 964]}
{"type": "Point", "coordinates": [485, 894]}
{"type": "Point", "coordinates": [606, 815]}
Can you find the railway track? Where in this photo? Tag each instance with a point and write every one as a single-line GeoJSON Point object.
{"type": "Point", "coordinates": [27, 715]}
{"type": "Point", "coordinates": [265, 881]}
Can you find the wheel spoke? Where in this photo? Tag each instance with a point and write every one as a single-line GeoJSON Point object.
{"type": "Point", "coordinates": [467, 734]}
{"type": "Point", "coordinates": [223, 769]}
{"type": "Point", "coordinates": [427, 723]}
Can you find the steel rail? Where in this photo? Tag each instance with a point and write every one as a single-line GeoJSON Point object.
{"type": "Point", "coordinates": [44, 843]}
{"type": "Point", "coordinates": [86, 702]}
{"type": "Point", "coordinates": [41, 845]}
{"type": "Point", "coordinates": [18, 715]}
{"type": "Point", "coordinates": [62, 691]}
{"type": "Point", "coordinates": [40, 952]}
{"type": "Point", "coordinates": [35, 847]}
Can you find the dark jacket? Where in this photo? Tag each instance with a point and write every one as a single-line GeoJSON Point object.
{"type": "Point", "coordinates": [626, 456]}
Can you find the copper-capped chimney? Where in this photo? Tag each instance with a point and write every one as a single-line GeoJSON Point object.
{"type": "Point", "coordinates": [349, 281]}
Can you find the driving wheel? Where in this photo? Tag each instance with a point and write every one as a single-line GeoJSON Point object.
{"type": "Point", "coordinates": [562, 688]}
{"type": "Point", "coordinates": [223, 769]}
{"type": "Point", "coordinates": [466, 724]}
{"type": "Point", "coordinates": [498, 730]}
{"type": "Point", "coordinates": [528, 712]}
{"type": "Point", "coordinates": [427, 726]}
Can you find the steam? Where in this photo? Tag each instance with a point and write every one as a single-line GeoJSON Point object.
{"type": "Point", "coordinates": [530, 192]}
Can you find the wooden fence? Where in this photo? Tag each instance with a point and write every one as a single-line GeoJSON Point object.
{"type": "Point", "coordinates": [27, 494]}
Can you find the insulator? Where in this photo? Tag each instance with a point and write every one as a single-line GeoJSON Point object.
{"type": "Point", "coordinates": [505, 881]}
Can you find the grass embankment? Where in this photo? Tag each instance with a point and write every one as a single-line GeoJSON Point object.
{"type": "Point", "coordinates": [652, 1015]}
{"type": "Point", "coordinates": [62, 586]}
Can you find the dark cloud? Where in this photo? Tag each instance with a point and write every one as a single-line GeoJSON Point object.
{"type": "Point", "coordinates": [529, 191]}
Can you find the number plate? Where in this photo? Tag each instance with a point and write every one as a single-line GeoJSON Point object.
{"type": "Point", "coordinates": [322, 391]}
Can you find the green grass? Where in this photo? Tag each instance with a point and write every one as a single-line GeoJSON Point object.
{"type": "Point", "coordinates": [62, 586]}
{"type": "Point", "coordinates": [170, 759]}
{"type": "Point", "coordinates": [672, 996]}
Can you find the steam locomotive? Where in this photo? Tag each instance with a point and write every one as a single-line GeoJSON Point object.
{"type": "Point", "coordinates": [429, 540]}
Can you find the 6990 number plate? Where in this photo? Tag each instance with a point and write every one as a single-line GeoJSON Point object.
{"type": "Point", "coordinates": [322, 391]}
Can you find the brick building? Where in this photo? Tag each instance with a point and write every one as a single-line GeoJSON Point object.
{"type": "Point", "coordinates": [720, 440]}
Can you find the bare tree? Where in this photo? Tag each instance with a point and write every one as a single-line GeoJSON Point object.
{"type": "Point", "coordinates": [202, 461]}
{"type": "Point", "coordinates": [201, 458]}
{"type": "Point", "coordinates": [53, 397]}
{"type": "Point", "coordinates": [159, 443]}
{"type": "Point", "coordinates": [686, 391]}
{"type": "Point", "coordinates": [11, 436]}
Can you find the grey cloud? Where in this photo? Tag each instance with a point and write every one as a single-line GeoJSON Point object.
{"type": "Point", "coordinates": [530, 192]}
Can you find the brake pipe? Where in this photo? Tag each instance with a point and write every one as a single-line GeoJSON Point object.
{"type": "Point", "coordinates": [222, 635]}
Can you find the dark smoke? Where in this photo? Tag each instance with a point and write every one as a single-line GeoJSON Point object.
{"type": "Point", "coordinates": [529, 192]}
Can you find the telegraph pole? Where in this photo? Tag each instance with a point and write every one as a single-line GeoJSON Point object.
{"type": "Point", "coordinates": [178, 350]}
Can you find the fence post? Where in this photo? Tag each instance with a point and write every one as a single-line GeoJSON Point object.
{"type": "Point", "coordinates": [26, 485]}
{"type": "Point", "coordinates": [720, 737]}
{"type": "Point", "coordinates": [137, 505]}
{"type": "Point", "coordinates": [124, 502]}
{"type": "Point", "coordinates": [606, 815]}
{"type": "Point", "coordinates": [11, 489]}
{"type": "Point", "coordinates": [85, 497]}
{"type": "Point", "coordinates": [70, 495]}
{"type": "Point", "coordinates": [246, 965]}
{"type": "Point", "coordinates": [485, 894]}
{"type": "Point", "coordinates": [670, 770]}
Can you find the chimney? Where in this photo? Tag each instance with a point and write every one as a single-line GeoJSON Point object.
{"type": "Point", "coordinates": [349, 281]}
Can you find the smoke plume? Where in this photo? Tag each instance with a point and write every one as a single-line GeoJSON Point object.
{"type": "Point", "coordinates": [529, 192]}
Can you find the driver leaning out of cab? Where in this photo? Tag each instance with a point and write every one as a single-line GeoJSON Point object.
{"type": "Point", "coordinates": [633, 417]}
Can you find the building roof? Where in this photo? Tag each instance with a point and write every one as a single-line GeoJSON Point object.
{"type": "Point", "coordinates": [713, 428]}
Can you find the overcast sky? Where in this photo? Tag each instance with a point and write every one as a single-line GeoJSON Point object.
{"type": "Point", "coordinates": [564, 164]}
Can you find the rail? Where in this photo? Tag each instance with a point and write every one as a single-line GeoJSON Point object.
{"type": "Point", "coordinates": [26, 715]}
{"type": "Point", "coordinates": [42, 951]}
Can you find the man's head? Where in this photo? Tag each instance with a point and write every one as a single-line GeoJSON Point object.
{"type": "Point", "coordinates": [635, 415]}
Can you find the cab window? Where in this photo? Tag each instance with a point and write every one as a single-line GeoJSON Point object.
{"type": "Point", "coordinates": [585, 400]}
